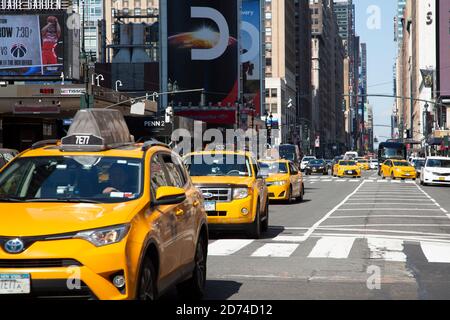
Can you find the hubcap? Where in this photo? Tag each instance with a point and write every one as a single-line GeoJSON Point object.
{"type": "Point", "coordinates": [147, 285]}
{"type": "Point", "coordinates": [200, 265]}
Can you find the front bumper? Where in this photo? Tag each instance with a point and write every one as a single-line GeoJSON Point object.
{"type": "Point", "coordinates": [89, 277]}
{"type": "Point", "coordinates": [437, 180]}
{"type": "Point", "coordinates": [351, 173]}
{"type": "Point", "coordinates": [228, 213]}
{"type": "Point", "coordinates": [318, 171]}
{"type": "Point", "coordinates": [404, 175]}
{"type": "Point", "coordinates": [278, 192]}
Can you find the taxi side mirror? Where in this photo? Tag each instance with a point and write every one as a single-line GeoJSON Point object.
{"type": "Point", "coordinates": [169, 195]}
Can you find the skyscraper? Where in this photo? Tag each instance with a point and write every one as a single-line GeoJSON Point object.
{"type": "Point", "coordinates": [91, 11]}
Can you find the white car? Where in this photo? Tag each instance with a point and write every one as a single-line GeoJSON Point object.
{"type": "Point", "coordinates": [373, 164]}
{"type": "Point", "coordinates": [305, 162]}
{"type": "Point", "coordinates": [435, 171]}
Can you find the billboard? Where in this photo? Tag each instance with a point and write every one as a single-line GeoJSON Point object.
{"type": "Point", "coordinates": [444, 48]}
{"type": "Point", "coordinates": [251, 58]}
{"type": "Point", "coordinates": [32, 45]}
{"type": "Point", "coordinates": [203, 51]}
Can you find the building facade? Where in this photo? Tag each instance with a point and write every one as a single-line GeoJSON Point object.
{"type": "Point", "coordinates": [281, 85]}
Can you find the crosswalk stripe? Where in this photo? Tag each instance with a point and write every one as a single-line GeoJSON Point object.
{"type": "Point", "coordinates": [332, 247]}
{"type": "Point", "coordinates": [386, 249]}
{"type": "Point", "coordinates": [288, 238]}
{"type": "Point", "coordinates": [225, 247]}
{"type": "Point", "coordinates": [279, 250]}
{"type": "Point", "coordinates": [436, 252]}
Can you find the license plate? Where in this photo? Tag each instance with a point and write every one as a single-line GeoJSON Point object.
{"type": "Point", "coordinates": [210, 205]}
{"type": "Point", "coordinates": [14, 283]}
{"type": "Point", "coordinates": [441, 178]}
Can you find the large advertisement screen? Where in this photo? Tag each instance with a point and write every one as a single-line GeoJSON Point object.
{"type": "Point", "coordinates": [31, 45]}
{"type": "Point", "coordinates": [444, 48]}
{"type": "Point", "coordinates": [251, 53]}
{"type": "Point", "coordinates": [203, 51]}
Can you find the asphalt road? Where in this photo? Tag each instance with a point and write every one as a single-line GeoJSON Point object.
{"type": "Point", "coordinates": [349, 239]}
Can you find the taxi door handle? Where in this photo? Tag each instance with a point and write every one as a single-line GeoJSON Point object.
{"type": "Point", "coordinates": [196, 203]}
{"type": "Point", "coordinates": [179, 212]}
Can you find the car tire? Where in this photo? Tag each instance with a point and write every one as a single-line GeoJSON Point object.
{"type": "Point", "coordinates": [302, 193]}
{"type": "Point", "coordinates": [194, 287]}
{"type": "Point", "coordinates": [393, 176]}
{"type": "Point", "coordinates": [289, 199]}
{"type": "Point", "coordinates": [265, 223]}
{"type": "Point", "coordinates": [147, 281]}
{"type": "Point", "coordinates": [255, 227]}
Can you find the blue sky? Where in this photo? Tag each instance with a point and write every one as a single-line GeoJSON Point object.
{"type": "Point", "coordinates": [381, 53]}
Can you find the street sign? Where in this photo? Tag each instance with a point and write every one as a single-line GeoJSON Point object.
{"type": "Point", "coordinates": [317, 143]}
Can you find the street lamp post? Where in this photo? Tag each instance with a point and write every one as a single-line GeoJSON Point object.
{"type": "Point", "coordinates": [118, 84]}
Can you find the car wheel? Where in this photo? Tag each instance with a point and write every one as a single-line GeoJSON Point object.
{"type": "Point", "coordinates": [194, 288]}
{"type": "Point", "coordinates": [255, 228]}
{"type": "Point", "coordinates": [147, 281]}
{"type": "Point", "coordinates": [290, 195]}
{"type": "Point", "coordinates": [302, 193]}
{"type": "Point", "coordinates": [392, 176]}
{"type": "Point", "coordinates": [265, 223]}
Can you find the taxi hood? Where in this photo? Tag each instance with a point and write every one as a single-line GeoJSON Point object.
{"type": "Point", "coordinates": [37, 219]}
{"type": "Point", "coordinates": [277, 177]}
{"type": "Point", "coordinates": [222, 180]}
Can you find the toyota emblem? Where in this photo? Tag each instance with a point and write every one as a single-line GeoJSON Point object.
{"type": "Point", "coordinates": [14, 246]}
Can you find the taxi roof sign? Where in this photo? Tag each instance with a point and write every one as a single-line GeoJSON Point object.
{"type": "Point", "coordinates": [96, 130]}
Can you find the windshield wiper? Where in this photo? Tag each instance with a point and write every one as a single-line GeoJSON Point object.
{"type": "Point", "coordinates": [69, 200]}
{"type": "Point", "coordinates": [11, 199]}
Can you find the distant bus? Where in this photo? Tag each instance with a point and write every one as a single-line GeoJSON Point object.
{"type": "Point", "coordinates": [391, 150]}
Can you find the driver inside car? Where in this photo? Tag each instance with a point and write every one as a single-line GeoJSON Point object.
{"type": "Point", "coordinates": [118, 180]}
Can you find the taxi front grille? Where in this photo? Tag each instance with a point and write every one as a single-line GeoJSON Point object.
{"type": "Point", "coordinates": [38, 263]}
{"type": "Point", "coordinates": [217, 213]}
{"type": "Point", "coordinates": [217, 194]}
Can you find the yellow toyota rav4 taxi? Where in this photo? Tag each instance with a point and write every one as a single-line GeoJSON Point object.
{"type": "Point", "coordinates": [401, 169]}
{"type": "Point", "coordinates": [347, 168]}
{"type": "Point", "coordinates": [283, 179]}
{"type": "Point", "coordinates": [234, 190]}
{"type": "Point", "coordinates": [98, 216]}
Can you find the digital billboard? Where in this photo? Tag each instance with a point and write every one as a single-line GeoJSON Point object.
{"type": "Point", "coordinates": [444, 48]}
{"type": "Point", "coordinates": [203, 51]}
{"type": "Point", "coordinates": [251, 58]}
{"type": "Point", "coordinates": [32, 45]}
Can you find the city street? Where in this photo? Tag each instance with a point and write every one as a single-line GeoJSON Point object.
{"type": "Point", "coordinates": [336, 243]}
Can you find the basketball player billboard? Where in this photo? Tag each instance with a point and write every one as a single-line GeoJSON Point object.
{"type": "Point", "coordinates": [31, 45]}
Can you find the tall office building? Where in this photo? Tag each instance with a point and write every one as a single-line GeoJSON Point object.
{"type": "Point", "coordinates": [280, 40]}
{"type": "Point", "coordinates": [91, 12]}
{"type": "Point", "coordinates": [327, 77]}
{"type": "Point", "coordinates": [303, 75]}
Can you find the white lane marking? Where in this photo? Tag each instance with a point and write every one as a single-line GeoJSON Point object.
{"type": "Point", "coordinates": [390, 216]}
{"type": "Point", "coordinates": [288, 238]}
{"type": "Point", "coordinates": [225, 247]}
{"type": "Point", "coordinates": [388, 209]}
{"type": "Point", "coordinates": [332, 247]}
{"type": "Point", "coordinates": [448, 215]}
{"type": "Point", "coordinates": [382, 181]}
{"type": "Point", "coordinates": [327, 180]}
{"type": "Point", "coordinates": [386, 249]}
{"type": "Point", "coordinates": [279, 250]}
{"type": "Point", "coordinates": [314, 227]}
{"type": "Point", "coordinates": [383, 236]}
{"type": "Point", "coordinates": [388, 203]}
{"type": "Point", "coordinates": [443, 235]}
{"type": "Point", "coordinates": [342, 180]}
{"type": "Point", "coordinates": [388, 199]}
{"type": "Point", "coordinates": [387, 225]}
{"type": "Point", "coordinates": [436, 252]}
{"type": "Point", "coordinates": [437, 204]}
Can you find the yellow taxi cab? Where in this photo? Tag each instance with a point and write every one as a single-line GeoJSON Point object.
{"type": "Point", "coordinates": [401, 169]}
{"type": "Point", "coordinates": [235, 192]}
{"type": "Point", "coordinates": [283, 179]}
{"type": "Point", "coordinates": [347, 168]}
{"type": "Point", "coordinates": [363, 164]}
{"type": "Point", "coordinates": [98, 216]}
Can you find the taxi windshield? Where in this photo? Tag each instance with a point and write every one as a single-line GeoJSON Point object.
{"type": "Point", "coordinates": [317, 162]}
{"type": "Point", "coordinates": [88, 179]}
{"type": "Point", "coordinates": [363, 161]}
{"type": "Point", "coordinates": [273, 167]}
{"type": "Point", "coordinates": [218, 165]}
{"type": "Point", "coordinates": [401, 164]}
{"type": "Point", "coordinates": [347, 163]}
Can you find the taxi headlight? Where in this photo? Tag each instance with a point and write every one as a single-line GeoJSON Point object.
{"type": "Point", "coordinates": [104, 236]}
{"type": "Point", "coordinates": [240, 193]}
{"type": "Point", "coordinates": [279, 183]}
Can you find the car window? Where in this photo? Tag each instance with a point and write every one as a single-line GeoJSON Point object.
{"type": "Point", "coordinates": [438, 163]}
{"type": "Point", "coordinates": [293, 169]}
{"type": "Point", "coordinates": [157, 175]}
{"type": "Point", "coordinates": [173, 173]}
